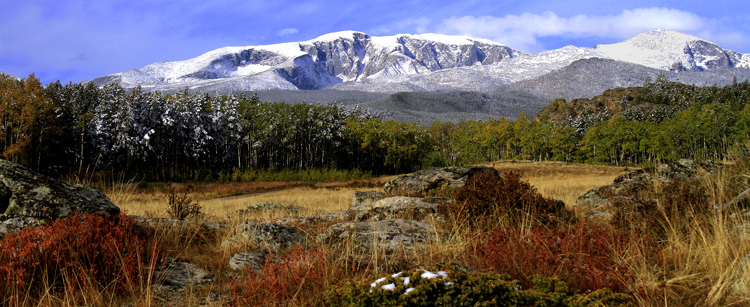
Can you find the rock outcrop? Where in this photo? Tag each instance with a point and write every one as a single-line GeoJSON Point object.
{"type": "Point", "coordinates": [598, 202]}
{"type": "Point", "coordinates": [424, 181]}
{"type": "Point", "coordinates": [395, 207]}
{"type": "Point", "coordinates": [386, 235]}
{"type": "Point", "coordinates": [266, 236]}
{"type": "Point", "coordinates": [28, 198]}
{"type": "Point", "coordinates": [173, 276]}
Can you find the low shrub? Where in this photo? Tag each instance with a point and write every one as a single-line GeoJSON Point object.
{"type": "Point", "coordinates": [460, 288]}
{"type": "Point", "coordinates": [584, 255]}
{"type": "Point", "coordinates": [298, 278]}
{"type": "Point", "coordinates": [506, 196]}
{"type": "Point", "coordinates": [86, 251]}
{"type": "Point", "coordinates": [180, 205]}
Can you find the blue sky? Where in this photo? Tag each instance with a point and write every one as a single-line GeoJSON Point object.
{"type": "Point", "coordinates": [77, 40]}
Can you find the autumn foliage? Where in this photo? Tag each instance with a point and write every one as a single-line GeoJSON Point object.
{"type": "Point", "coordinates": [584, 255]}
{"type": "Point", "coordinates": [298, 278]}
{"type": "Point", "coordinates": [83, 251]}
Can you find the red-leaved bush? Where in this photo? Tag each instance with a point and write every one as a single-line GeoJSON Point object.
{"type": "Point", "coordinates": [87, 251]}
{"type": "Point", "coordinates": [584, 255]}
{"type": "Point", "coordinates": [298, 278]}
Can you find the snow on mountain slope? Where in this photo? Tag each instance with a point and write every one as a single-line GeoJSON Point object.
{"type": "Point", "coordinates": [352, 60]}
{"type": "Point", "coordinates": [669, 50]}
{"type": "Point", "coordinates": [327, 60]}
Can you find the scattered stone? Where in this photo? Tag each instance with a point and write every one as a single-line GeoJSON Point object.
{"type": "Point", "coordinates": [254, 260]}
{"type": "Point", "coordinates": [270, 206]}
{"type": "Point", "coordinates": [266, 236]}
{"type": "Point", "coordinates": [386, 235]}
{"type": "Point", "coordinates": [26, 194]}
{"type": "Point", "coordinates": [174, 276]}
{"type": "Point", "coordinates": [414, 208]}
{"type": "Point", "coordinates": [424, 181]}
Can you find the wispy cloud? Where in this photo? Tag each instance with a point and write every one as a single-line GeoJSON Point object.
{"type": "Point", "coordinates": [524, 31]}
{"type": "Point", "coordinates": [287, 32]}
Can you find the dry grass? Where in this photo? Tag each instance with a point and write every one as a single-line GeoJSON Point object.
{"type": "Point", "coordinates": [701, 261]}
{"type": "Point", "coordinates": [563, 181]}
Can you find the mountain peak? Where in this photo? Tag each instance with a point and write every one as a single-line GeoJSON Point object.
{"type": "Point", "coordinates": [338, 35]}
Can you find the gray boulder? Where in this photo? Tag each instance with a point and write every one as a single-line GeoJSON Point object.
{"type": "Point", "coordinates": [266, 236]}
{"type": "Point", "coordinates": [25, 194]}
{"type": "Point", "coordinates": [361, 198]}
{"type": "Point", "coordinates": [386, 235]}
{"type": "Point", "coordinates": [398, 207]}
{"type": "Point", "coordinates": [173, 276]}
{"type": "Point", "coordinates": [424, 181]}
{"type": "Point", "coordinates": [597, 203]}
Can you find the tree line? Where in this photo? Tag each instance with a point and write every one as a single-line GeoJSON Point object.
{"type": "Point", "coordinates": [81, 128]}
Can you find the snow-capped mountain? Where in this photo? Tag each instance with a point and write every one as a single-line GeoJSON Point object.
{"type": "Point", "coordinates": [427, 62]}
{"type": "Point", "coordinates": [330, 59]}
{"type": "Point", "coordinates": [671, 50]}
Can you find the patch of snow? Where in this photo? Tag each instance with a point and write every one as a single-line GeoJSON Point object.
{"type": "Point", "coordinates": [390, 286]}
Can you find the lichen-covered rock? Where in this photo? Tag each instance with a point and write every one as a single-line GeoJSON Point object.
{"type": "Point", "coordinates": [173, 276]}
{"type": "Point", "coordinates": [386, 235]}
{"type": "Point", "coordinates": [27, 194]}
{"type": "Point", "coordinates": [16, 224]}
{"type": "Point", "coordinates": [423, 181]}
{"type": "Point", "coordinates": [684, 169]}
{"type": "Point", "coordinates": [254, 260]}
{"type": "Point", "coordinates": [361, 198]}
{"type": "Point", "coordinates": [263, 206]}
{"type": "Point", "coordinates": [398, 207]}
{"type": "Point", "coordinates": [627, 186]}
{"type": "Point", "coordinates": [266, 236]}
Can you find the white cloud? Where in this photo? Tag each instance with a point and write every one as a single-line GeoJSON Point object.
{"type": "Point", "coordinates": [523, 31]}
{"type": "Point", "coordinates": [287, 32]}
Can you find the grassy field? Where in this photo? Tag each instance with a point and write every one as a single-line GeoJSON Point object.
{"type": "Point", "coordinates": [555, 180]}
{"type": "Point", "coordinates": [688, 256]}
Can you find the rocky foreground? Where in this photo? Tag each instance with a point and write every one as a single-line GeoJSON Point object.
{"type": "Point", "coordinates": [375, 221]}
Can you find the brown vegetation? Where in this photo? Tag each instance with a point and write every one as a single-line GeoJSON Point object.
{"type": "Point", "coordinates": [686, 255]}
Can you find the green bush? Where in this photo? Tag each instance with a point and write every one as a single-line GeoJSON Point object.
{"type": "Point", "coordinates": [459, 288]}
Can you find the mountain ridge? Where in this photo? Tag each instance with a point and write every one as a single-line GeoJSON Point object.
{"type": "Point", "coordinates": [351, 60]}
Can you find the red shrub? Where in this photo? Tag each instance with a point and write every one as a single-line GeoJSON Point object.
{"type": "Point", "coordinates": [80, 250]}
{"type": "Point", "coordinates": [582, 255]}
{"type": "Point", "coordinates": [300, 278]}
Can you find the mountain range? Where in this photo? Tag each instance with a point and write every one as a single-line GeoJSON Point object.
{"type": "Point", "coordinates": [465, 77]}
